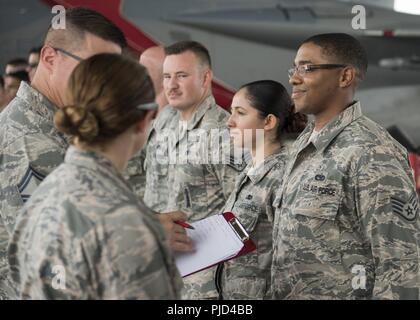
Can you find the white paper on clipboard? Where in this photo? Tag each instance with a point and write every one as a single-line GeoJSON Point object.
{"type": "Point", "coordinates": [214, 241]}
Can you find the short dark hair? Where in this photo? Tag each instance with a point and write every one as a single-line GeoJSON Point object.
{"type": "Point", "coordinates": [17, 62]}
{"type": "Point", "coordinates": [81, 20]}
{"type": "Point", "coordinates": [271, 97]}
{"type": "Point", "coordinates": [36, 50]}
{"type": "Point", "coordinates": [195, 47]}
{"type": "Point", "coordinates": [1, 82]}
{"type": "Point", "coordinates": [21, 75]}
{"type": "Point", "coordinates": [344, 48]}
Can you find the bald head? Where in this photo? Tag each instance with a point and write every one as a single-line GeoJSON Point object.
{"type": "Point", "coordinates": [152, 58]}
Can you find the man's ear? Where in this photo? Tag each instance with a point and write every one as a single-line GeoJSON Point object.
{"type": "Point", "coordinates": [48, 58]}
{"type": "Point", "coordinates": [270, 122]}
{"type": "Point", "coordinates": [208, 77]}
{"type": "Point", "coordinates": [143, 124]}
{"type": "Point", "coordinates": [348, 77]}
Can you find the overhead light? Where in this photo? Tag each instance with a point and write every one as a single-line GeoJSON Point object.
{"type": "Point", "coordinates": [407, 6]}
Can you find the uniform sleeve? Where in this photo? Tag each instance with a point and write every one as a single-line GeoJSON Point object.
{"type": "Point", "coordinates": [132, 265]}
{"type": "Point", "coordinates": [135, 173]}
{"type": "Point", "coordinates": [6, 284]}
{"type": "Point", "coordinates": [24, 165]}
{"type": "Point", "coordinates": [387, 204]}
{"type": "Point", "coordinates": [227, 165]}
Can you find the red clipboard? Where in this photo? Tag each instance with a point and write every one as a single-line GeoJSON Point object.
{"type": "Point", "coordinates": [243, 235]}
{"type": "Point", "coordinates": [249, 245]}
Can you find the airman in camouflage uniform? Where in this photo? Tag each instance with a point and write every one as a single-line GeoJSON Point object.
{"type": "Point", "coordinates": [87, 211]}
{"type": "Point", "coordinates": [152, 58]}
{"type": "Point", "coordinates": [252, 202]}
{"type": "Point", "coordinates": [347, 223]}
{"type": "Point", "coordinates": [188, 170]}
{"type": "Point", "coordinates": [31, 146]}
{"type": "Point", "coordinates": [31, 149]}
{"type": "Point", "coordinates": [200, 189]}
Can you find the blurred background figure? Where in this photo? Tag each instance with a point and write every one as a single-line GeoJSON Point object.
{"type": "Point", "coordinates": [15, 65]}
{"type": "Point", "coordinates": [3, 99]}
{"type": "Point", "coordinates": [12, 82]}
{"type": "Point", "coordinates": [33, 61]}
{"type": "Point", "coordinates": [152, 58]}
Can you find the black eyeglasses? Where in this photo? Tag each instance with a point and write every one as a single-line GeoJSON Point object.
{"type": "Point", "coordinates": [68, 54]}
{"type": "Point", "coordinates": [301, 70]}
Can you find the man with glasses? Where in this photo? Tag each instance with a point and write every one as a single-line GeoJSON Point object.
{"type": "Point", "coordinates": [347, 218]}
{"type": "Point", "coordinates": [31, 146]}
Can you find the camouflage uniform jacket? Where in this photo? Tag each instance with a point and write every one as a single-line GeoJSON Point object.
{"type": "Point", "coordinates": [201, 188]}
{"type": "Point", "coordinates": [135, 173]}
{"type": "Point", "coordinates": [347, 223]}
{"type": "Point", "coordinates": [85, 235]}
{"type": "Point", "coordinates": [30, 148]}
{"type": "Point", "coordinates": [252, 202]}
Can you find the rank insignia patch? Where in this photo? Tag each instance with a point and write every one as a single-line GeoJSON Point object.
{"type": "Point", "coordinates": [406, 209]}
{"type": "Point", "coordinates": [29, 183]}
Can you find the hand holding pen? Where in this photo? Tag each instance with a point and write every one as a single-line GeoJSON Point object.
{"type": "Point", "coordinates": [184, 224]}
{"type": "Point", "coordinates": [175, 229]}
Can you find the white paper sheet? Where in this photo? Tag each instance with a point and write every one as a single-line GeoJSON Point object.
{"type": "Point", "coordinates": [214, 241]}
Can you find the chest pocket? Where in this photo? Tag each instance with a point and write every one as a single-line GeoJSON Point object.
{"type": "Point", "coordinates": [161, 170]}
{"type": "Point", "coordinates": [316, 208]}
{"type": "Point", "coordinates": [160, 162]}
{"type": "Point", "coordinates": [157, 158]}
{"type": "Point", "coordinates": [249, 211]}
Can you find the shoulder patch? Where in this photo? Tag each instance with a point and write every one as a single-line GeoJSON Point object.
{"type": "Point", "coordinates": [237, 165]}
{"type": "Point", "coordinates": [406, 209]}
{"type": "Point", "coordinates": [29, 183]}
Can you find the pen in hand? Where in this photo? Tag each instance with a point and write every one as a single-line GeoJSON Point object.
{"type": "Point", "coordinates": [184, 224]}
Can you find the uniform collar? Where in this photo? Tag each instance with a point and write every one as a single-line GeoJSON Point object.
{"type": "Point", "coordinates": [166, 114]}
{"type": "Point", "coordinates": [89, 159]}
{"type": "Point", "coordinates": [260, 172]}
{"type": "Point", "coordinates": [36, 101]}
{"type": "Point", "coordinates": [200, 112]}
{"type": "Point", "coordinates": [170, 113]}
{"type": "Point", "coordinates": [334, 127]}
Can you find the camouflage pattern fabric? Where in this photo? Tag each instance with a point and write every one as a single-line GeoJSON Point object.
{"type": "Point", "coordinates": [30, 149]}
{"type": "Point", "coordinates": [198, 188]}
{"type": "Point", "coordinates": [85, 235]}
{"type": "Point", "coordinates": [347, 224]}
{"type": "Point", "coordinates": [135, 173]}
{"type": "Point", "coordinates": [252, 202]}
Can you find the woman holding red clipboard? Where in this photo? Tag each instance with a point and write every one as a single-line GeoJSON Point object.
{"type": "Point", "coordinates": [262, 116]}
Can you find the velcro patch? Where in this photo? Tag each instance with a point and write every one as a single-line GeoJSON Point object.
{"type": "Point", "coordinates": [406, 209]}
{"type": "Point", "coordinates": [235, 164]}
{"type": "Point", "coordinates": [29, 183]}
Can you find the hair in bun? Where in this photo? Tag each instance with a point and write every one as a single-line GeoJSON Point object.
{"type": "Point", "coordinates": [77, 122]}
{"type": "Point", "coordinates": [271, 97]}
{"type": "Point", "coordinates": [104, 93]}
